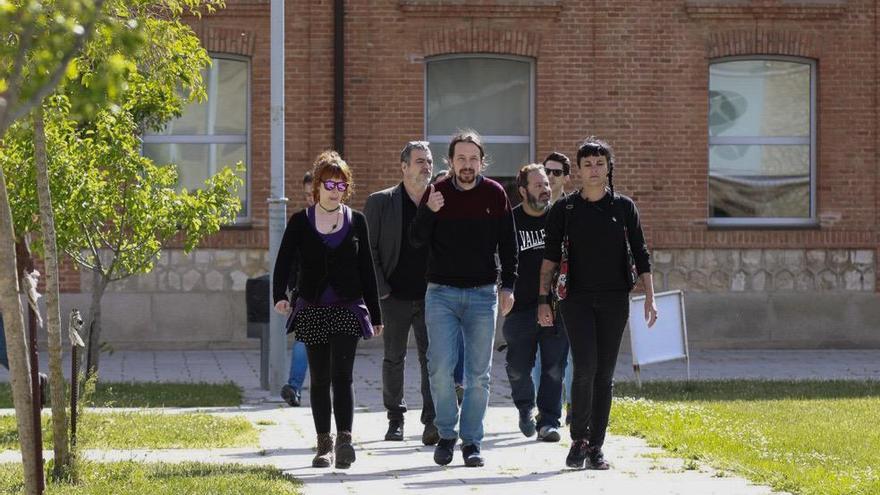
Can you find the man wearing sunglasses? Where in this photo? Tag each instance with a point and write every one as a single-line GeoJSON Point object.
{"type": "Point", "coordinates": [400, 273]}
{"type": "Point", "coordinates": [558, 168]}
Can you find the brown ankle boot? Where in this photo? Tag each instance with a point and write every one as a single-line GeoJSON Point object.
{"type": "Point", "coordinates": [324, 456]}
{"type": "Point", "coordinates": [344, 451]}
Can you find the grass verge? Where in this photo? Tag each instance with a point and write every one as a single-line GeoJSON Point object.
{"type": "Point", "coordinates": [129, 478]}
{"type": "Point", "coordinates": [145, 430]}
{"type": "Point", "coordinates": [805, 437]}
{"type": "Point", "coordinates": [154, 395]}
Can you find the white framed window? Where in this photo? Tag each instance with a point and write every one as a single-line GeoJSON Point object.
{"type": "Point", "coordinates": [492, 94]}
{"type": "Point", "coordinates": [211, 134]}
{"type": "Point", "coordinates": [762, 142]}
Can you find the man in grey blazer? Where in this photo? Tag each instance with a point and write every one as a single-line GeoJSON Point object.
{"type": "Point", "coordinates": [400, 272]}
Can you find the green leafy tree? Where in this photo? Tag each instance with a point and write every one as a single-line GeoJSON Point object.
{"type": "Point", "coordinates": [92, 47]}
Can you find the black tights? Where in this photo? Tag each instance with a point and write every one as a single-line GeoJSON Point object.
{"type": "Point", "coordinates": [595, 324]}
{"type": "Point", "coordinates": [332, 364]}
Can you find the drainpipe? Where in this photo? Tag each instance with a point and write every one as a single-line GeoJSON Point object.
{"type": "Point", "coordinates": [277, 201]}
{"type": "Point", "coordinates": [339, 76]}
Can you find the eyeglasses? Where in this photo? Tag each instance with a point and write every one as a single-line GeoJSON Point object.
{"type": "Point", "coordinates": [554, 171]}
{"type": "Point", "coordinates": [340, 185]}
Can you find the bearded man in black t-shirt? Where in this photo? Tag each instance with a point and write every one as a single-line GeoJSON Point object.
{"type": "Point", "coordinates": [521, 330]}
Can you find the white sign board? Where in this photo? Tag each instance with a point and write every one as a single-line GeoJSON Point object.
{"type": "Point", "coordinates": [667, 339]}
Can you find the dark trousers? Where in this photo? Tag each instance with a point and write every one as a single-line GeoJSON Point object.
{"type": "Point", "coordinates": [523, 334]}
{"type": "Point", "coordinates": [595, 324]}
{"type": "Point", "coordinates": [331, 364]}
{"type": "Point", "coordinates": [399, 316]}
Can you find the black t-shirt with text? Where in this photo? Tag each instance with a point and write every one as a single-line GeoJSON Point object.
{"type": "Point", "coordinates": [530, 244]}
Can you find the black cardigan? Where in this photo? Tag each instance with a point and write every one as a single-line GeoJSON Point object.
{"type": "Point", "coordinates": [307, 265]}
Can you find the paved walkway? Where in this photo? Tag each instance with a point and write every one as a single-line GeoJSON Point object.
{"type": "Point", "coordinates": [514, 464]}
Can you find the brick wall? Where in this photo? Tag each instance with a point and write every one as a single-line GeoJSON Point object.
{"type": "Point", "coordinates": [635, 72]}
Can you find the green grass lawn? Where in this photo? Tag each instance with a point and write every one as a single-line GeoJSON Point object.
{"type": "Point", "coordinates": [154, 395]}
{"type": "Point", "coordinates": [129, 478]}
{"type": "Point", "coordinates": [142, 430]}
{"type": "Point", "coordinates": [806, 437]}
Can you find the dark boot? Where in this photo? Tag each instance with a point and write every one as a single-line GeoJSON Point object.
{"type": "Point", "coordinates": [344, 451]}
{"type": "Point", "coordinates": [324, 456]}
{"type": "Point", "coordinates": [395, 431]}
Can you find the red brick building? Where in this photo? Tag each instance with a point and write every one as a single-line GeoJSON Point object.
{"type": "Point", "coordinates": [745, 130]}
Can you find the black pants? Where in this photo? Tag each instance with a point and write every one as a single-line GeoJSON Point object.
{"type": "Point", "coordinates": [523, 334]}
{"type": "Point", "coordinates": [332, 364]}
{"type": "Point", "coordinates": [399, 316]}
{"type": "Point", "coordinates": [595, 324]}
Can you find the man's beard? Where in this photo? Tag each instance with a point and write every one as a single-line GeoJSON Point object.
{"type": "Point", "coordinates": [459, 176]}
{"type": "Point", "coordinates": [535, 202]}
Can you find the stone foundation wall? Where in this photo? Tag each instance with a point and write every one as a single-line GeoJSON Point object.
{"type": "Point", "coordinates": [764, 270]}
{"type": "Point", "coordinates": [735, 298]}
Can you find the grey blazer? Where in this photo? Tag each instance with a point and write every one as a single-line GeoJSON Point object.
{"type": "Point", "coordinates": [384, 212]}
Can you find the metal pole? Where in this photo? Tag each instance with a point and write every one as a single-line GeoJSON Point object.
{"type": "Point", "coordinates": [74, 394]}
{"type": "Point", "coordinates": [277, 200]}
{"type": "Point", "coordinates": [37, 403]}
{"type": "Point", "coordinates": [25, 269]}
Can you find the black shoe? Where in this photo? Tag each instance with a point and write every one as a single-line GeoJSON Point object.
{"type": "Point", "coordinates": [44, 389]}
{"type": "Point", "coordinates": [291, 395]}
{"type": "Point", "coordinates": [597, 459]}
{"type": "Point", "coordinates": [577, 455]}
{"type": "Point", "coordinates": [527, 422]}
{"type": "Point", "coordinates": [395, 431]}
{"type": "Point", "coordinates": [444, 451]}
{"type": "Point", "coordinates": [430, 436]}
{"type": "Point", "coordinates": [471, 455]}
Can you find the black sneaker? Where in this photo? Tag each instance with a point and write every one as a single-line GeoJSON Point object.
{"type": "Point", "coordinates": [527, 422]}
{"type": "Point", "coordinates": [597, 459]}
{"type": "Point", "coordinates": [395, 431]}
{"type": "Point", "coordinates": [291, 396]}
{"type": "Point", "coordinates": [430, 436]}
{"type": "Point", "coordinates": [444, 451]}
{"type": "Point", "coordinates": [471, 455]}
{"type": "Point", "coordinates": [548, 433]}
{"type": "Point", "coordinates": [577, 455]}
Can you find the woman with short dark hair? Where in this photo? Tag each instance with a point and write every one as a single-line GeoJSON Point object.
{"type": "Point", "coordinates": [595, 240]}
{"type": "Point", "coordinates": [326, 265]}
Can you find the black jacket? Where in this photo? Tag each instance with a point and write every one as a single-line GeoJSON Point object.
{"type": "Point", "coordinates": [306, 265]}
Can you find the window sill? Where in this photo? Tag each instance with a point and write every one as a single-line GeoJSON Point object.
{"type": "Point", "coordinates": [766, 9]}
{"type": "Point", "coordinates": [761, 224]}
{"type": "Point", "coordinates": [239, 225]}
{"type": "Point", "coordinates": [482, 8]}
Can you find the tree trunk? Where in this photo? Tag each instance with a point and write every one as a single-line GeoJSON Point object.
{"type": "Point", "coordinates": [99, 284]}
{"type": "Point", "coordinates": [19, 366]}
{"type": "Point", "coordinates": [53, 306]}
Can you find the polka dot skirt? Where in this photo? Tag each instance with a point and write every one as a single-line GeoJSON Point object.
{"type": "Point", "coordinates": [313, 324]}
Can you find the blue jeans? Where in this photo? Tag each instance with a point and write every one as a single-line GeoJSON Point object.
{"type": "Point", "coordinates": [524, 336]}
{"type": "Point", "coordinates": [4, 359]}
{"type": "Point", "coordinates": [451, 312]}
{"type": "Point", "coordinates": [459, 367]}
{"type": "Point", "coordinates": [299, 364]}
{"type": "Point", "coordinates": [566, 381]}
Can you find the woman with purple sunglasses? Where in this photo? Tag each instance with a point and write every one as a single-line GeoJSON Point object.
{"type": "Point", "coordinates": [325, 282]}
